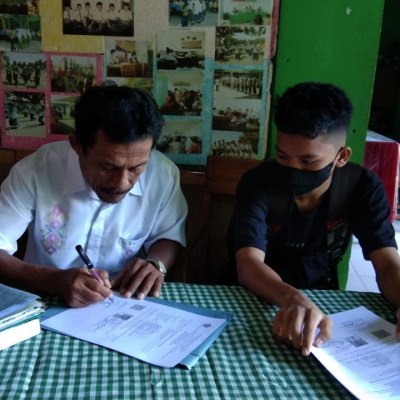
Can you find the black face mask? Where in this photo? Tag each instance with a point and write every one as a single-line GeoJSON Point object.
{"type": "Point", "coordinates": [303, 181]}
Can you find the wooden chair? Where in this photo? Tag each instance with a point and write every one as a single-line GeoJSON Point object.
{"type": "Point", "coordinates": [206, 254]}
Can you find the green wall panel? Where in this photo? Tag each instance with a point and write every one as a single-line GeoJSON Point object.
{"type": "Point", "coordinates": [333, 41]}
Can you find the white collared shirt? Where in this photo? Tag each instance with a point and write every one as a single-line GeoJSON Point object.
{"type": "Point", "coordinates": [125, 15]}
{"type": "Point", "coordinates": [48, 192]}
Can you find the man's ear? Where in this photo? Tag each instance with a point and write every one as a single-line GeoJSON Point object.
{"type": "Point", "coordinates": [75, 144]}
{"type": "Point", "coordinates": [344, 156]}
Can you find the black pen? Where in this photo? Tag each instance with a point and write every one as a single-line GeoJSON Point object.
{"type": "Point", "coordinates": [89, 264]}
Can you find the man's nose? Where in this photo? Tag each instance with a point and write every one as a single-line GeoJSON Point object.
{"type": "Point", "coordinates": [292, 163]}
{"type": "Point", "coordinates": [121, 180]}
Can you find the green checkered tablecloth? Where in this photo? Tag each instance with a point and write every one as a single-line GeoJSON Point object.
{"type": "Point", "coordinates": [245, 362]}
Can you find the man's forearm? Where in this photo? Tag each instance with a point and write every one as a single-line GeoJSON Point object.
{"type": "Point", "coordinates": [386, 262]}
{"type": "Point", "coordinates": [29, 277]}
{"type": "Point", "coordinates": [166, 251]}
{"type": "Point", "coordinates": [389, 287]}
{"type": "Point", "coordinates": [263, 280]}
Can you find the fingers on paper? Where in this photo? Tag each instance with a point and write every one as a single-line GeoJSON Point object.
{"type": "Point", "coordinates": [317, 321]}
{"type": "Point", "coordinates": [325, 331]}
{"type": "Point", "coordinates": [286, 323]}
{"type": "Point", "coordinates": [139, 278]}
{"type": "Point", "coordinates": [297, 326]}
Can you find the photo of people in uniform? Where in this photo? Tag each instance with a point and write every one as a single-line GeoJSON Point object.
{"type": "Point", "coordinates": [240, 45]}
{"type": "Point", "coordinates": [238, 84]}
{"type": "Point", "coordinates": [186, 13]}
{"type": "Point", "coordinates": [24, 114]}
{"type": "Point", "coordinates": [73, 74]}
{"type": "Point", "coordinates": [20, 32]}
{"type": "Point", "coordinates": [24, 70]}
{"type": "Point", "coordinates": [98, 17]}
{"type": "Point", "coordinates": [234, 144]}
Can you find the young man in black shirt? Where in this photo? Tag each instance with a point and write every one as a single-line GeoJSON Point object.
{"type": "Point", "coordinates": [295, 215]}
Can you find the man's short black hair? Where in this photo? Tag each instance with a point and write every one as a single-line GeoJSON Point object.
{"type": "Point", "coordinates": [125, 115]}
{"type": "Point", "coordinates": [312, 108]}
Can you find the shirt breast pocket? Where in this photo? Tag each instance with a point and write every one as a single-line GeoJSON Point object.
{"type": "Point", "coordinates": [129, 249]}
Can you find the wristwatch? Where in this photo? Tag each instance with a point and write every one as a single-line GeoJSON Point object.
{"type": "Point", "coordinates": [159, 265]}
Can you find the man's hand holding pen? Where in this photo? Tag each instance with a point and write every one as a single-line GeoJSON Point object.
{"type": "Point", "coordinates": [86, 286]}
{"type": "Point", "coordinates": [80, 289]}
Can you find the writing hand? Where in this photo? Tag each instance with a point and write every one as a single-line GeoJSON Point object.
{"type": "Point", "coordinates": [139, 277]}
{"type": "Point", "coordinates": [297, 322]}
{"type": "Point", "coordinates": [79, 288]}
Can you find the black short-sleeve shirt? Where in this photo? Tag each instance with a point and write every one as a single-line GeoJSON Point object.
{"type": "Point", "coordinates": [295, 245]}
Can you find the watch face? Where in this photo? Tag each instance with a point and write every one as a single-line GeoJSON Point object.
{"type": "Point", "coordinates": [161, 267]}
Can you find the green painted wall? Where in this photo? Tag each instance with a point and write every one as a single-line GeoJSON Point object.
{"type": "Point", "coordinates": [333, 41]}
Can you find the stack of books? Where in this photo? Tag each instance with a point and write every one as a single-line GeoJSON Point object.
{"type": "Point", "coordinates": [19, 316]}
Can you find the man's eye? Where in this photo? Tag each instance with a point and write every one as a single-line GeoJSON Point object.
{"type": "Point", "coordinates": [136, 170]}
{"type": "Point", "coordinates": [309, 162]}
{"type": "Point", "coordinates": [107, 167]}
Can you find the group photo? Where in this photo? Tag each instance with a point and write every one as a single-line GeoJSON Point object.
{"type": "Point", "coordinates": [93, 17]}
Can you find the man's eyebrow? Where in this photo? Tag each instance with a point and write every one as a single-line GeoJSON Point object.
{"type": "Point", "coordinates": [140, 165]}
{"type": "Point", "coordinates": [302, 156]}
{"type": "Point", "coordinates": [130, 167]}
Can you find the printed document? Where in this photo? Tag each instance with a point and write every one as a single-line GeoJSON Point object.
{"type": "Point", "coordinates": [152, 331]}
{"type": "Point", "coordinates": [363, 354]}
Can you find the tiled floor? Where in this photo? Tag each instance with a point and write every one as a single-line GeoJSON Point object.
{"type": "Point", "coordinates": [361, 272]}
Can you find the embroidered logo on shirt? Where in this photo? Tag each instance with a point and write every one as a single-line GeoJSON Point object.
{"type": "Point", "coordinates": [126, 256]}
{"type": "Point", "coordinates": [53, 232]}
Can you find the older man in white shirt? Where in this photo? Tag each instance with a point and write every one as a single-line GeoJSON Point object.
{"type": "Point", "coordinates": [106, 189]}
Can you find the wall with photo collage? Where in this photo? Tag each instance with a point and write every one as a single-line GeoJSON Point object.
{"type": "Point", "coordinates": [206, 63]}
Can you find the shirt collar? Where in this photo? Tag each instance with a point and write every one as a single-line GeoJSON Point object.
{"type": "Point", "coordinates": [75, 181]}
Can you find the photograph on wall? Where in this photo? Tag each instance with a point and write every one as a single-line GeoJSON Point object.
{"type": "Point", "coordinates": [180, 49]}
{"type": "Point", "coordinates": [127, 58]}
{"type": "Point", "coordinates": [145, 84]}
{"type": "Point", "coordinates": [236, 115]}
{"type": "Point", "coordinates": [62, 109]}
{"type": "Point", "coordinates": [246, 12]}
{"type": "Point", "coordinates": [179, 93]}
{"type": "Point", "coordinates": [20, 32]}
{"type": "Point", "coordinates": [238, 84]}
{"type": "Point", "coordinates": [23, 7]}
{"type": "Point", "coordinates": [73, 74]}
{"type": "Point", "coordinates": [95, 17]}
{"type": "Point", "coordinates": [24, 70]}
{"type": "Point", "coordinates": [181, 136]}
{"type": "Point", "coordinates": [240, 45]}
{"type": "Point", "coordinates": [188, 13]}
{"type": "Point", "coordinates": [234, 144]}
{"type": "Point", "coordinates": [24, 114]}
